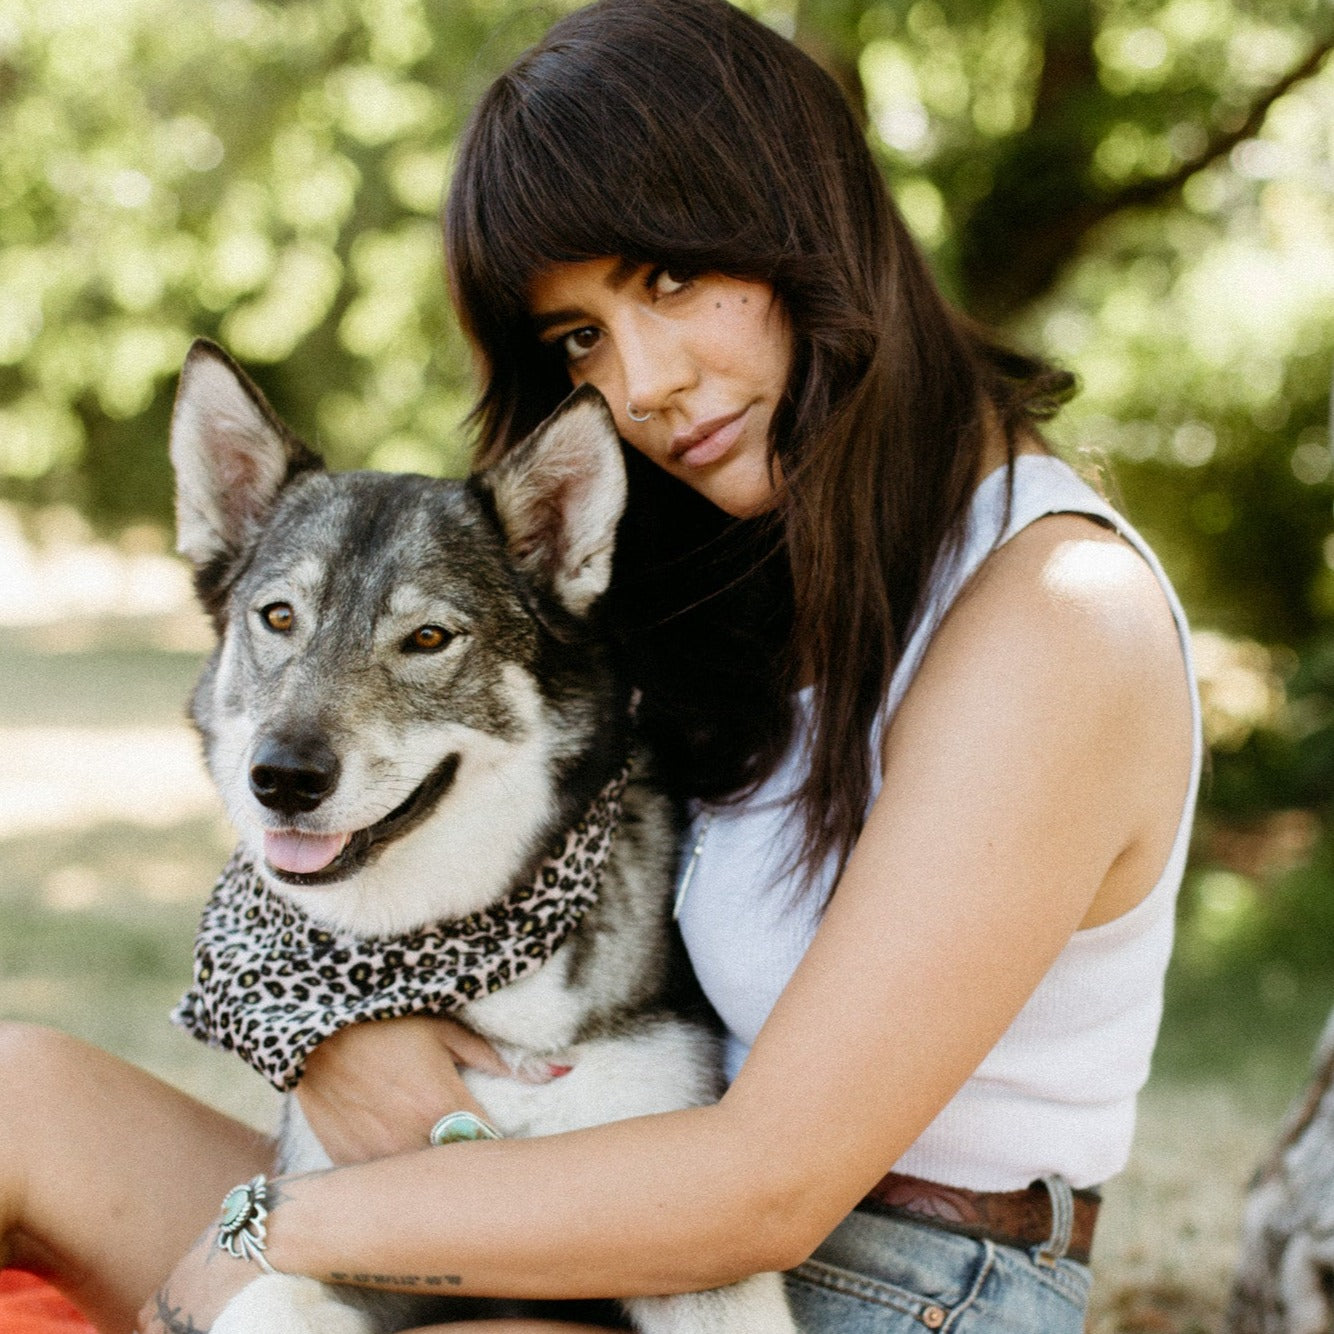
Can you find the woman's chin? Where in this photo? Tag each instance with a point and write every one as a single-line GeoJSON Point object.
{"type": "Point", "coordinates": [740, 487]}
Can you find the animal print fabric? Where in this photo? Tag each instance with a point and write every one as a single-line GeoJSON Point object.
{"type": "Point", "coordinates": [271, 984]}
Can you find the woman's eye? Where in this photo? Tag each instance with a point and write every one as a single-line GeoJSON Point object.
{"type": "Point", "coordinates": [278, 616]}
{"type": "Point", "coordinates": [663, 283]}
{"type": "Point", "coordinates": [579, 342]}
{"type": "Point", "coordinates": [428, 639]}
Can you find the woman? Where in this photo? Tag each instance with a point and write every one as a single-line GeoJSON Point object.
{"type": "Point", "coordinates": [931, 697]}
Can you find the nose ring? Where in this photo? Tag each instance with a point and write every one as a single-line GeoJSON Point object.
{"type": "Point", "coordinates": [634, 416]}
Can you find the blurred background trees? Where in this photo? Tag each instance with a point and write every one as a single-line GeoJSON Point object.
{"type": "Point", "coordinates": [1142, 189]}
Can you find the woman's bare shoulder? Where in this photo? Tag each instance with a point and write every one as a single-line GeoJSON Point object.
{"type": "Point", "coordinates": [1061, 661]}
{"type": "Point", "coordinates": [1083, 592]}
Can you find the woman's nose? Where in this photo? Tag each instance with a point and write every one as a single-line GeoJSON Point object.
{"type": "Point", "coordinates": [656, 364]}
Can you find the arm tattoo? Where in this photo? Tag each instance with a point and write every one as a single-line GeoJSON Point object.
{"type": "Point", "coordinates": [173, 1318]}
{"type": "Point", "coordinates": [392, 1282]}
{"type": "Point", "coordinates": [399, 1282]}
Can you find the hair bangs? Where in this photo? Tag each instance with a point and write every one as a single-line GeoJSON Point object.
{"type": "Point", "coordinates": [565, 160]}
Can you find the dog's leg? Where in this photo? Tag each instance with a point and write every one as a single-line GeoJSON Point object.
{"type": "Point", "coordinates": [288, 1304]}
{"type": "Point", "coordinates": [756, 1305]}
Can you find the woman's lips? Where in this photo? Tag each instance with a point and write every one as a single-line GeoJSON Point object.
{"type": "Point", "coordinates": [709, 441]}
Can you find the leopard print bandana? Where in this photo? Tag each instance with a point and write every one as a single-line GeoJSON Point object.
{"type": "Point", "coordinates": [271, 984]}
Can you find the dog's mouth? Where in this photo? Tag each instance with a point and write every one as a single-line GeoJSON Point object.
{"type": "Point", "coordinates": [298, 858]}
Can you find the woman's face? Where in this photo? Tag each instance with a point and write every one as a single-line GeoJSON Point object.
{"type": "Point", "coordinates": [707, 358]}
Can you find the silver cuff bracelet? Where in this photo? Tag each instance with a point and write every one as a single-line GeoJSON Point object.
{"type": "Point", "coordinates": [241, 1231]}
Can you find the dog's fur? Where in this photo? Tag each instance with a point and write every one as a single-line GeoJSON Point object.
{"type": "Point", "coordinates": [520, 709]}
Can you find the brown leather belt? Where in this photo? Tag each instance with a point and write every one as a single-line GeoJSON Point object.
{"type": "Point", "coordinates": [1022, 1218]}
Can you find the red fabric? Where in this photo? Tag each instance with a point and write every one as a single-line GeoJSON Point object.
{"type": "Point", "coordinates": [29, 1306]}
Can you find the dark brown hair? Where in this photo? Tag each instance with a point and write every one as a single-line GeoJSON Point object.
{"type": "Point", "coordinates": [687, 134]}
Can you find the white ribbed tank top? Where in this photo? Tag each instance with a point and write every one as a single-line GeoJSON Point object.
{"type": "Point", "coordinates": [1057, 1092]}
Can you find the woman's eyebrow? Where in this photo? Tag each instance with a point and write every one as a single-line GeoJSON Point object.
{"type": "Point", "coordinates": [552, 318]}
{"type": "Point", "coordinates": [620, 274]}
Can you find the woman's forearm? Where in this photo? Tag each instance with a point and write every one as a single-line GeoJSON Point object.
{"type": "Point", "coordinates": [686, 1207]}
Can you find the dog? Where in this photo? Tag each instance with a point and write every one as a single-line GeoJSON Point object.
{"type": "Point", "coordinates": [416, 721]}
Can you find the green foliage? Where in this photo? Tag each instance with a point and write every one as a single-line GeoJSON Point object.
{"type": "Point", "coordinates": [1250, 984]}
{"type": "Point", "coordinates": [264, 173]}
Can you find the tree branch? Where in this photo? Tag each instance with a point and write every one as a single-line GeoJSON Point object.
{"type": "Point", "coordinates": [1042, 207]}
{"type": "Point", "coordinates": [1150, 191]}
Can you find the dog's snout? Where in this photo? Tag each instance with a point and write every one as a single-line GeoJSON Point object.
{"type": "Point", "coordinates": [293, 775]}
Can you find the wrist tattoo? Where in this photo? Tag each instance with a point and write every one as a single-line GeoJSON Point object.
{"type": "Point", "coordinates": [174, 1319]}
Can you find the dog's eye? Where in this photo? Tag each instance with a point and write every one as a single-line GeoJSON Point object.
{"type": "Point", "coordinates": [428, 639]}
{"type": "Point", "coordinates": [278, 616]}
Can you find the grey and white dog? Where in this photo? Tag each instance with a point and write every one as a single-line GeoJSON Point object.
{"type": "Point", "coordinates": [409, 701]}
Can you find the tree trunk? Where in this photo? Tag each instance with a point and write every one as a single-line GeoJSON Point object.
{"type": "Point", "coordinates": [827, 31]}
{"type": "Point", "coordinates": [1284, 1282]}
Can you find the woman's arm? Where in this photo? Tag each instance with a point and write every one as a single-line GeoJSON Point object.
{"type": "Point", "coordinates": [1030, 776]}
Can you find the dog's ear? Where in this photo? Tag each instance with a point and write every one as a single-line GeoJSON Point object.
{"type": "Point", "coordinates": [232, 457]}
{"type": "Point", "coordinates": [560, 494]}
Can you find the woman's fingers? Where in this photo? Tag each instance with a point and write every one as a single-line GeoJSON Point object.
{"type": "Point", "coordinates": [467, 1049]}
{"type": "Point", "coordinates": [377, 1089]}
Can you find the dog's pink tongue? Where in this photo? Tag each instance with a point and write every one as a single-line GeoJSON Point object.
{"type": "Point", "coordinates": [301, 854]}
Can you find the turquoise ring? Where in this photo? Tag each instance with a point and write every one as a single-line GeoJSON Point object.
{"type": "Point", "coordinates": [455, 1127]}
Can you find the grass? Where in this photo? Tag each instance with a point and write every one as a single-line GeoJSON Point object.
{"type": "Point", "coordinates": [1231, 1058]}
{"type": "Point", "coordinates": [99, 895]}
{"type": "Point", "coordinates": [107, 683]}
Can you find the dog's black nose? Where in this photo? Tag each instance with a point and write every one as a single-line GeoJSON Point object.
{"type": "Point", "coordinates": [293, 774]}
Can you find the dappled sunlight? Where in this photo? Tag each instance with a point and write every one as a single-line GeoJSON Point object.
{"type": "Point", "coordinates": [80, 885]}
{"type": "Point", "coordinates": [1241, 688]}
{"type": "Point", "coordinates": [68, 591]}
{"type": "Point", "coordinates": [111, 834]}
{"type": "Point", "coordinates": [93, 735]}
{"type": "Point", "coordinates": [65, 777]}
{"type": "Point", "coordinates": [54, 573]}
{"type": "Point", "coordinates": [128, 873]}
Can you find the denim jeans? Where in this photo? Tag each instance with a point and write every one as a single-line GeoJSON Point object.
{"type": "Point", "coordinates": [882, 1274]}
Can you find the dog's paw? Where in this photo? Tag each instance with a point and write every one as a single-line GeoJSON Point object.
{"type": "Point", "coordinates": [288, 1304]}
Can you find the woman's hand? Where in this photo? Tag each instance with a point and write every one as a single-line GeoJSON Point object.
{"type": "Point", "coordinates": [378, 1088]}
